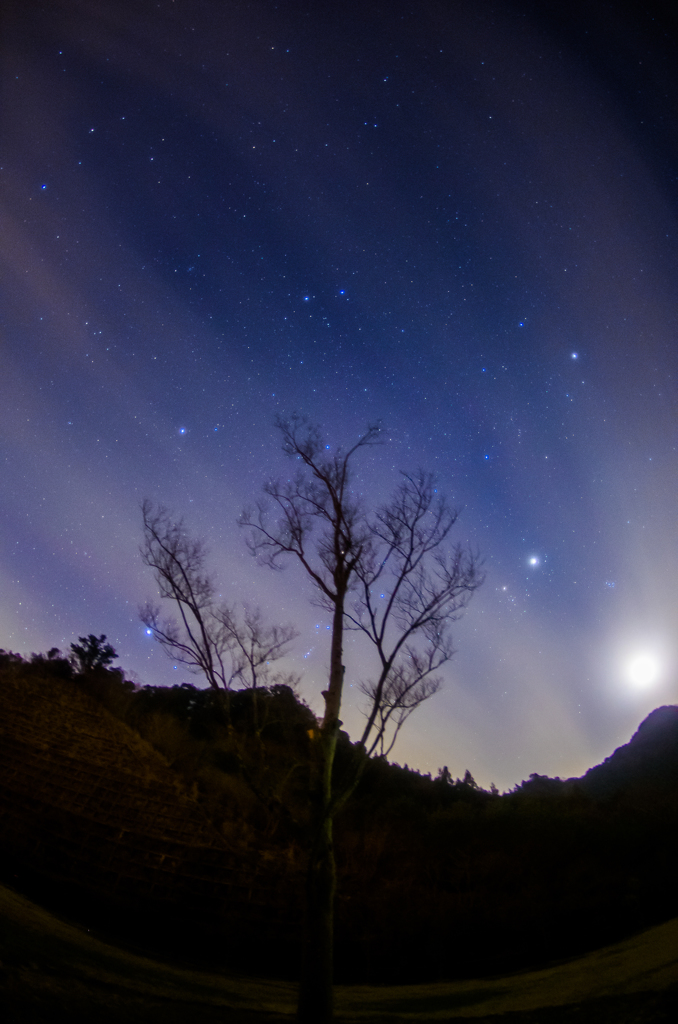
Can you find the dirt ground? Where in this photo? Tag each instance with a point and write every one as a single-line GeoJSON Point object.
{"type": "Point", "coordinates": [51, 970]}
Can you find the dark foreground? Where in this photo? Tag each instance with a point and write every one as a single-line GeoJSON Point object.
{"type": "Point", "coordinates": [52, 970]}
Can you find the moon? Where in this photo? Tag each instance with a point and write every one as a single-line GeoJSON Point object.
{"type": "Point", "coordinates": [643, 670]}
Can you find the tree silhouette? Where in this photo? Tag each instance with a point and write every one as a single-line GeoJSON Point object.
{"type": "Point", "coordinates": [387, 574]}
{"type": "Point", "coordinates": [209, 638]}
{"type": "Point", "coordinates": [91, 653]}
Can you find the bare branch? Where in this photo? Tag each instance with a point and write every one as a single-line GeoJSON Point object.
{"type": "Point", "coordinates": [404, 691]}
{"type": "Point", "coordinates": [318, 496]}
{"type": "Point", "coordinates": [178, 564]}
{"type": "Point", "coordinates": [411, 589]}
{"type": "Point", "coordinates": [314, 517]}
{"type": "Point", "coordinates": [208, 638]}
{"type": "Point", "coordinates": [253, 645]}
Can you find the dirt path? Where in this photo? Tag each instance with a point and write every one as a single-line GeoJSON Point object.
{"type": "Point", "coordinates": [50, 969]}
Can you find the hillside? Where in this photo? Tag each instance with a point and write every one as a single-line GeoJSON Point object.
{"type": "Point", "coordinates": [94, 820]}
{"type": "Point", "coordinates": [139, 811]}
{"type": "Point", "coordinates": [648, 760]}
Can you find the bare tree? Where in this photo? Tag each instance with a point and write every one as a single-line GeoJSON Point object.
{"type": "Point", "coordinates": [208, 637]}
{"type": "Point", "coordinates": [350, 556]}
{"type": "Point", "coordinates": [253, 646]}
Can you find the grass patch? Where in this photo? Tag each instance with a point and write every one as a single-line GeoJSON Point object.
{"type": "Point", "coordinates": [53, 969]}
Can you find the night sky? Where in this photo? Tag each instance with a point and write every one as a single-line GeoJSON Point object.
{"type": "Point", "coordinates": [456, 217]}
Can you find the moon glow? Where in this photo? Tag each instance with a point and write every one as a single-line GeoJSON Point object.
{"type": "Point", "coordinates": [642, 671]}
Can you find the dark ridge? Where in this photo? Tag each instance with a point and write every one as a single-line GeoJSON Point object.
{"type": "Point", "coordinates": [650, 758]}
{"type": "Point", "coordinates": [160, 816]}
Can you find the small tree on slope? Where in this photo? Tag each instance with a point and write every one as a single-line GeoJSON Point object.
{"type": "Point", "coordinates": [91, 653]}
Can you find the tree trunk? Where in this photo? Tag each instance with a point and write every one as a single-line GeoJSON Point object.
{"type": "Point", "coordinates": [316, 998]}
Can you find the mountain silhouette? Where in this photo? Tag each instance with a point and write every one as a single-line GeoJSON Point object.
{"type": "Point", "coordinates": [650, 758]}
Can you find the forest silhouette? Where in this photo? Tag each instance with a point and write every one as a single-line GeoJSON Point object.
{"type": "Point", "coordinates": [438, 878]}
